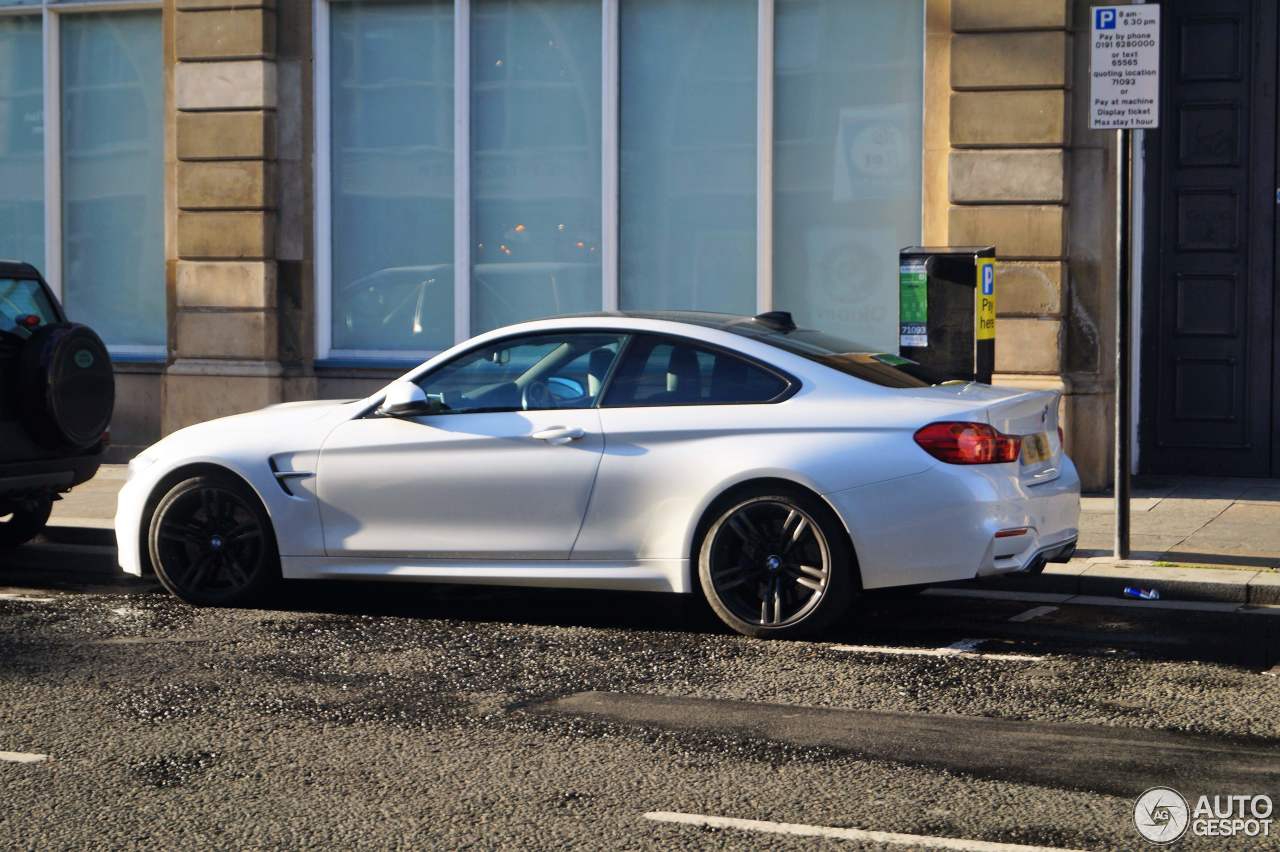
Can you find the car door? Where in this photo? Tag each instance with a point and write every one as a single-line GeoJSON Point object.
{"type": "Point", "coordinates": [503, 471]}
{"type": "Point", "coordinates": [680, 416]}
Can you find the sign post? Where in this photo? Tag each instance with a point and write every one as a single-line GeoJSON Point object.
{"type": "Point", "coordinates": [1124, 95]}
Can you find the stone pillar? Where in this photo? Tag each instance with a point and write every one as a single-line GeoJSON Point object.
{"type": "Point", "coordinates": [937, 122]}
{"type": "Point", "coordinates": [1009, 178]}
{"type": "Point", "coordinates": [224, 332]}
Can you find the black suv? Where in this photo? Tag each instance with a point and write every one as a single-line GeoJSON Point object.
{"type": "Point", "coordinates": [57, 391]}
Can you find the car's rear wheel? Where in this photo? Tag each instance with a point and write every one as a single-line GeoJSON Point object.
{"type": "Point", "coordinates": [22, 520]}
{"type": "Point", "coordinates": [775, 563]}
{"type": "Point", "coordinates": [211, 542]}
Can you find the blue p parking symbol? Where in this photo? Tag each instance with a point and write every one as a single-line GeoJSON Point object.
{"type": "Point", "coordinates": [1104, 19]}
{"type": "Point", "coordinates": [988, 280]}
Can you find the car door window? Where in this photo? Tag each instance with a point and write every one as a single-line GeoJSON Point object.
{"type": "Point", "coordinates": [531, 373]}
{"type": "Point", "coordinates": [668, 371]}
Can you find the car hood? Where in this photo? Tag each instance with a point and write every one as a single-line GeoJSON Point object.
{"type": "Point", "coordinates": [287, 426]}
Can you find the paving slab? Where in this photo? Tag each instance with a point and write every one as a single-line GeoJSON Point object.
{"type": "Point", "coordinates": [1100, 543]}
{"type": "Point", "coordinates": [95, 500]}
{"type": "Point", "coordinates": [1224, 490]}
{"type": "Point", "coordinates": [1106, 505]}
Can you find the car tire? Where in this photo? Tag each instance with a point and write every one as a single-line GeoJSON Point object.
{"type": "Point", "coordinates": [775, 562]}
{"type": "Point", "coordinates": [211, 542]}
{"type": "Point", "coordinates": [25, 521]}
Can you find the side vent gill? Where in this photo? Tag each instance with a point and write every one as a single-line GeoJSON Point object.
{"type": "Point", "coordinates": [283, 477]}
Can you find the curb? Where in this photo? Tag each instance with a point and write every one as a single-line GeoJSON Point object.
{"type": "Point", "coordinates": [1105, 577]}
{"type": "Point", "coordinates": [85, 550]}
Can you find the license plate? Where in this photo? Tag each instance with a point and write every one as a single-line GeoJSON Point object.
{"type": "Point", "coordinates": [1035, 448]}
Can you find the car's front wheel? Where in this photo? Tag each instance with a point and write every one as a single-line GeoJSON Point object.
{"type": "Point", "coordinates": [211, 542]}
{"type": "Point", "coordinates": [22, 520]}
{"type": "Point", "coordinates": [775, 563]}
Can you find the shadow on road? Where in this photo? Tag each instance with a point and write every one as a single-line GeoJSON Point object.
{"type": "Point", "coordinates": [893, 620]}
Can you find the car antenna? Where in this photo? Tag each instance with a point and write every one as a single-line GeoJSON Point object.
{"type": "Point", "coordinates": [778, 320]}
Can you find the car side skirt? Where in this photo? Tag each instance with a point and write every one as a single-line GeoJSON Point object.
{"type": "Point", "coordinates": [645, 575]}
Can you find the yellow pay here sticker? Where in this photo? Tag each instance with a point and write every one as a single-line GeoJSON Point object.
{"type": "Point", "coordinates": [986, 296]}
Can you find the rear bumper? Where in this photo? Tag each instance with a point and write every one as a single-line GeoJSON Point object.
{"type": "Point", "coordinates": [47, 475]}
{"type": "Point", "coordinates": [941, 524]}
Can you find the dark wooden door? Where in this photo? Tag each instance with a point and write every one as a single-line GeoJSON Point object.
{"type": "Point", "coordinates": [1209, 328]}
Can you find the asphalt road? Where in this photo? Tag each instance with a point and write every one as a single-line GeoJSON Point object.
{"type": "Point", "coordinates": [371, 717]}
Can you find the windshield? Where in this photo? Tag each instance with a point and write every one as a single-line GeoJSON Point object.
{"type": "Point", "coordinates": [854, 359]}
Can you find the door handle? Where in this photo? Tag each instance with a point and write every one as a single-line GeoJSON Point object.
{"type": "Point", "coordinates": [559, 435]}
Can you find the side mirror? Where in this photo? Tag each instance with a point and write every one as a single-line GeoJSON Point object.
{"type": "Point", "coordinates": [406, 399]}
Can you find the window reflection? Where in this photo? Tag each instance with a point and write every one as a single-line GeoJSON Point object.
{"type": "Point", "coordinates": [391, 115]}
{"type": "Point", "coordinates": [21, 140]}
{"type": "Point", "coordinates": [688, 158]}
{"type": "Point", "coordinates": [535, 163]}
{"type": "Point", "coordinates": [847, 131]}
{"type": "Point", "coordinates": [113, 175]}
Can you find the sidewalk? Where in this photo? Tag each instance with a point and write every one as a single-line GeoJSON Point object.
{"type": "Point", "coordinates": [1191, 520]}
{"type": "Point", "coordinates": [91, 506]}
{"type": "Point", "coordinates": [1193, 539]}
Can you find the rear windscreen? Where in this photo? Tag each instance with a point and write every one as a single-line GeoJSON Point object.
{"type": "Point", "coordinates": [24, 305]}
{"type": "Point", "coordinates": [863, 362]}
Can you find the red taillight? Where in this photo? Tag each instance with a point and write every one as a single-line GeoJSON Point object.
{"type": "Point", "coordinates": [968, 443]}
{"type": "Point", "coordinates": [29, 321]}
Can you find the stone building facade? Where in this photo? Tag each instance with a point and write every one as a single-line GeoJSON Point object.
{"type": "Point", "coordinates": [1005, 157]}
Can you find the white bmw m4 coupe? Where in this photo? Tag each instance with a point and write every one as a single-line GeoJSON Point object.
{"type": "Point", "coordinates": [779, 470]}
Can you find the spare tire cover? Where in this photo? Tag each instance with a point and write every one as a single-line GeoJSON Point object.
{"type": "Point", "coordinates": [67, 386]}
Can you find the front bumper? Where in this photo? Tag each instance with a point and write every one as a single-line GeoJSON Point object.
{"type": "Point", "coordinates": [128, 523]}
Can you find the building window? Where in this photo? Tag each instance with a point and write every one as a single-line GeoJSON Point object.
{"type": "Point", "coordinates": [113, 176]}
{"type": "Point", "coordinates": [535, 159]}
{"type": "Point", "coordinates": [21, 139]}
{"type": "Point", "coordinates": [391, 84]}
{"type": "Point", "coordinates": [688, 167]}
{"type": "Point", "coordinates": [848, 78]}
{"type": "Point", "coordinates": [82, 162]}
{"type": "Point", "coordinates": [482, 162]}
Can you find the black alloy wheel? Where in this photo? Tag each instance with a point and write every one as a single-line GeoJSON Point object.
{"type": "Point", "coordinates": [211, 542]}
{"type": "Point", "coordinates": [774, 565]}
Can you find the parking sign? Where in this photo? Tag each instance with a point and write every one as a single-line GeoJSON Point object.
{"type": "Point", "coordinates": [1125, 67]}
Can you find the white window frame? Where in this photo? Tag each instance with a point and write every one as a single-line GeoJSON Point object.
{"type": "Point", "coordinates": [611, 60]}
{"type": "Point", "coordinates": [50, 14]}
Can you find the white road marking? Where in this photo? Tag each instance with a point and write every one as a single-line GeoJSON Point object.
{"type": "Point", "coordinates": [22, 757]}
{"type": "Point", "coordinates": [967, 648]}
{"type": "Point", "coordinates": [904, 652]}
{"type": "Point", "coordinates": [19, 596]}
{"type": "Point", "coordinates": [864, 835]}
{"type": "Point", "coordinates": [1034, 612]}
